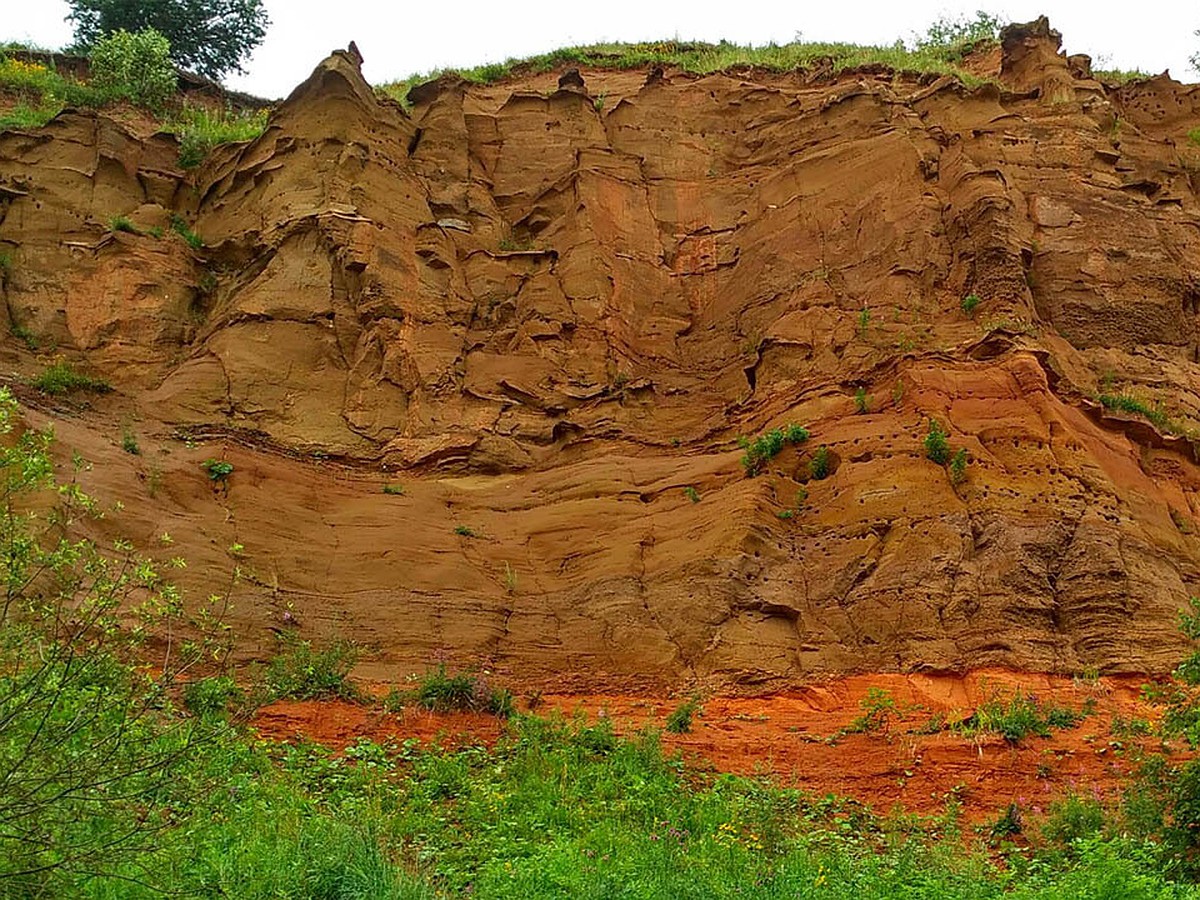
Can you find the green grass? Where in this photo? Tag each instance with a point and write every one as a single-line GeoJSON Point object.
{"type": "Point", "coordinates": [1131, 404]}
{"type": "Point", "coordinates": [199, 130]}
{"type": "Point", "coordinates": [62, 378]}
{"type": "Point", "coordinates": [1120, 76]}
{"type": "Point", "coordinates": [820, 466]}
{"type": "Point", "coordinates": [180, 226]}
{"type": "Point", "coordinates": [1194, 136]}
{"type": "Point", "coordinates": [704, 58]}
{"type": "Point", "coordinates": [42, 93]}
{"type": "Point", "coordinates": [937, 447]}
{"type": "Point", "coordinates": [1018, 717]}
{"type": "Point", "coordinates": [443, 691]}
{"type": "Point", "coordinates": [301, 671]}
{"type": "Point", "coordinates": [394, 490]}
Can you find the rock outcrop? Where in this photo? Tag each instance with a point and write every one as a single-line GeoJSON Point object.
{"type": "Point", "coordinates": [549, 306]}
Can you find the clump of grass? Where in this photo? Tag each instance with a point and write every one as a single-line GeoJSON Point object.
{"type": "Point", "coordinates": [1130, 404]}
{"type": "Point", "coordinates": [200, 129]}
{"type": "Point", "coordinates": [821, 464]}
{"type": "Point", "coordinates": [862, 401]}
{"type": "Point", "coordinates": [937, 447]}
{"type": "Point", "coordinates": [180, 226]}
{"type": "Point", "coordinates": [679, 721]}
{"type": "Point", "coordinates": [394, 490]}
{"type": "Point", "coordinates": [1120, 76]}
{"type": "Point", "coordinates": [864, 321]}
{"type": "Point", "coordinates": [122, 223]}
{"type": "Point", "coordinates": [63, 378]}
{"type": "Point", "coordinates": [465, 531]}
{"type": "Point", "coordinates": [969, 304]}
{"type": "Point", "coordinates": [692, 494]}
{"type": "Point", "coordinates": [768, 445]}
{"type": "Point", "coordinates": [1194, 136]}
{"type": "Point", "coordinates": [301, 671]}
{"type": "Point", "coordinates": [442, 691]}
{"type": "Point", "coordinates": [1018, 717]}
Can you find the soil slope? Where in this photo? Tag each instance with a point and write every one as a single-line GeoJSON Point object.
{"type": "Point", "coordinates": [546, 307]}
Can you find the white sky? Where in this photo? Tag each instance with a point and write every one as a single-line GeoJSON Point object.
{"type": "Point", "coordinates": [398, 38]}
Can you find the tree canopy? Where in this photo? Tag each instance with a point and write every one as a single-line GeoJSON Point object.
{"type": "Point", "coordinates": [211, 37]}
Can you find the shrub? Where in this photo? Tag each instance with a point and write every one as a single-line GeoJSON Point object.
{"type": "Point", "coordinates": [465, 531]}
{"type": "Point", "coordinates": [216, 696]}
{"type": "Point", "coordinates": [302, 672]}
{"type": "Point", "coordinates": [136, 66]}
{"type": "Point", "coordinates": [937, 448]}
{"type": "Point", "coordinates": [679, 721]}
{"type": "Point", "coordinates": [767, 446]}
{"type": "Point", "coordinates": [394, 490]}
{"type": "Point", "coordinates": [1129, 403]}
{"type": "Point", "coordinates": [62, 378]}
{"type": "Point", "coordinates": [969, 304]}
{"type": "Point", "coordinates": [862, 402]}
{"type": "Point", "coordinates": [878, 707]}
{"type": "Point", "coordinates": [821, 464]}
{"type": "Point", "coordinates": [1018, 717]}
{"type": "Point", "coordinates": [692, 494]}
{"type": "Point", "coordinates": [1071, 819]}
{"type": "Point", "coordinates": [122, 223]}
{"type": "Point", "coordinates": [129, 443]}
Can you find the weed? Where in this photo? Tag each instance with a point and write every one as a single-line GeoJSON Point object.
{"type": "Point", "coordinates": [216, 696]}
{"type": "Point", "coordinates": [218, 470]}
{"type": "Point", "coordinates": [1194, 136]}
{"type": "Point", "coordinates": [1130, 404]}
{"type": "Point", "coordinates": [598, 103]}
{"type": "Point", "coordinates": [786, 514]}
{"type": "Point", "coordinates": [862, 401]}
{"type": "Point", "coordinates": [445, 692]}
{"type": "Point", "coordinates": [23, 334]}
{"type": "Point", "coordinates": [958, 466]}
{"type": "Point", "coordinates": [199, 130]}
{"type": "Point", "coordinates": [969, 303]}
{"type": "Point", "coordinates": [394, 490]}
{"type": "Point", "coordinates": [864, 320]}
{"type": "Point", "coordinates": [155, 231]}
{"type": "Point", "coordinates": [180, 226]}
{"type": "Point", "coordinates": [122, 223]}
{"type": "Point", "coordinates": [692, 494]}
{"type": "Point", "coordinates": [62, 378]}
{"type": "Point", "coordinates": [879, 708]}
{"type": "Point", "coordinates": [937, 448]}
{"type": "Point", "coordinates": [679, 721]}
{"type": "Point", "coordinates": [768, 445]}
{"type": "Point", "coordinates": [301, 671]}
{"type": "Point", "coordinates": [129, 443]}
{"type": "Point", "coordinates": [898, 392]}
{"type": "Point", "coordinates": [510, 579]}
{"type": "Point", "coordinates": [1009, 824]}
{"type": "Point", "coordinates": [821, 464]}
{"type": "Point", "coordinates": [1018, 717]}
{"type": "Point", "coordinates": [465, 531]}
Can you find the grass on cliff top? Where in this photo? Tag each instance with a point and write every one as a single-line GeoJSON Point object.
{"type": "Point", "coordinates": [702, 59]}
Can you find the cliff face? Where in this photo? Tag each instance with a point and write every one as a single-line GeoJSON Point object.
{"type": "Point", "coordinates": [547, 309]}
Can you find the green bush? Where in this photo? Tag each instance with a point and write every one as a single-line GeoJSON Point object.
{"type": "Point", "coordinates": [1018, 717]}
{"type": "Point", "coordinates": [180, 226]}
{"type": "Point", "coordinates": [958, 466]}
{"type": "Point", "coordinates": [136, 66]}
{"type": "Point", "coordinates": [692, 494]}
{"type": "Point", "coordinates": [1129, 403]}
{"type": "Point", "coordinates": [969, 304]}
{"type": "Point", "coordinates": [218, 470]}
{"type": "Point", "coordinates": [216, 696]}
{"type": "Point", "coordinates": [862, 401]}
{"type": "Point", "coordinates": [937, 448]}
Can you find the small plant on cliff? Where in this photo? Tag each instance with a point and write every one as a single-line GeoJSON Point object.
{"type": "Point", "coordinates": [679, 721]}
{"type": "Point", "coordinates": [878, 709]}
{"type": "Point", "coordinates": [768, 445]}
{"type": "Point", "coordinates": [821, 464]}
{"type": "Point", "coordinates": [394, 490]}
{"type": "Point", "coordinates": [129, 443]}
{"type": "Point", "coordinates": [1018, 717]}
{"type": "Point", "coordinates": [958, 466]}
{"type": "Point", "coordinates": [864, 320]}
{"type": "Point", "coordinates": [180, 226]}
{"type": "Point", "coordinates": [200, 130]}
{"type": "Point", "coordinates": [969, 304]}
{"type": "Point", "coordinates": [692, 494]}
{"type": "Point", "coordinates": [122, 223]}
{"type": "Point", "coordinates": [218, 470]}
{"type": "Point", "coordinates": [62, 378]}
{"type": "Point", "coordinates": [862, 401]}
{"type": "Point", "coordinates": [937, 448]}
{"type": "Point", "coordinates": [1131, 404]}
{"type": "Point", "coordinates": [465, 531]}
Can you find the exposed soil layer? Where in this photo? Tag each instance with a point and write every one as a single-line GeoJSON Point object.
{"type": "Point", "coordinates": [547, 310]}
{"type": "Point", "coordinates": [798, 738]}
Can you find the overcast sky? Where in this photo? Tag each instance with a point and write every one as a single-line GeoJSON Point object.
{"type": "Point", "coordinates": [400, 38]}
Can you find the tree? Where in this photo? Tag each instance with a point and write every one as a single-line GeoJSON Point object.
{"type": "Point", "coordinates": [94, 643]}
{"type": "Point", "coordinates": [211, 37]}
